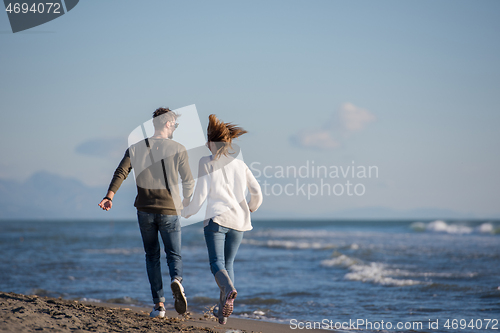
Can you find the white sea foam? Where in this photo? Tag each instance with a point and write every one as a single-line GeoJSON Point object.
{"type": "Point", "coordinates": [418, 226]}
{"type": "Point", "coordinates": [295, 233]}
{"type": "Point", "coordinates": [93, 300]}
{"type": "Point", "coordinates": [341, 260]}
{"type": "Point", "coordinates": [373, 272]}
{"type": "Point", "coordinates": [486, 228]}
{"type": "Point", "coordinates": [376, 273]}
{"type": "Point", "coordinates": [130, 251]}
{"type": "Point", "coordinates": [441, 227]}
{"type": "Point", "coordinates": [258, 314]}
{"type": "Point", "coordinates": [284, 244]}
{"type": "Point", "coordinates": [436, 274]}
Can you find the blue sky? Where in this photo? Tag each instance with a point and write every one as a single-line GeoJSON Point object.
{"type": "Point", "coordinates": [410, 87]}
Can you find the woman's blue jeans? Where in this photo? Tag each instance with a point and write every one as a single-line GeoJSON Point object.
{"type": "Point", "coordinates": [222, 245]}
{"type": "Point", "coordinates": [169, 227]}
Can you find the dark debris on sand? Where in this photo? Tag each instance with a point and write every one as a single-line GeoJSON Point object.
{"type": "Point", "coordinates": [20, 313]}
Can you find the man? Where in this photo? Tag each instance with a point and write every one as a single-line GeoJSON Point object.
{"type": "Point", "coordinates": [157, 163]}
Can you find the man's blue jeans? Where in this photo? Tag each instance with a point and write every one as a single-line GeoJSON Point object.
{"type": "Point", "coordinates": [169, 227]}
{"type": "Point", "coordinates": [222, 245]}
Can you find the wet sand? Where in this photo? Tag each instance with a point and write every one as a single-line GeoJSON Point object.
{"type": "Point", "coordinates": [22, 313]}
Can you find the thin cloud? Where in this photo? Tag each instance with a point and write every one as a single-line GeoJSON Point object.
{"type": "Point", "coordinates": [354, 118]}
{"type": "Point", "coordinates": [347, 120]}
{"type": "Point", "coordinates": [103, 147]}
{"type": "Point", "coordinates": [320, 139]}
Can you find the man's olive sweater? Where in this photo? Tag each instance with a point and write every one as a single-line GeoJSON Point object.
{"type": "Point", "coordinates": [157, 165]}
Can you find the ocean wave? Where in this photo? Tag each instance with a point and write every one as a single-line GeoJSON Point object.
{"type": "Point", "coordinates": [294, 233]}
{"type": "Point", "coordinates": [123, 300]}
{"type": "Point", "coordinates": [455, 275]}
{"type": "Point", "coordinates": [495, 293]}
{"type": "Point", "coordinates": [454, 228]}
{"type": "Point", "coordinates": [442, 226]}
{"type": "Point", "coordinates": [259, 300]}
{"type": "Point", "coordinates": [377, 273]}
{"type": "Point", "coordinates": [93, 300]}
{"type": "Point", "coordinates": [488, 228]}
{"type": "Point", "coordinates": [284, 244]}
{"type": "Point", "coordinates": [257, 314]}
{"type": "Point", "coordinates": [260, 314]}
{"type": "Point", "coordinates": [373, 272]}
{"type": "Point", "coordinates": [301, 294]}
{"type": "Point", "coordinates": [120, 251]}
{"type": "Point", "coordinates": [380, 273]}
{"type": "Point", "coordinates": [203, 300]}
{"type": "Point", "coordinates": [43, 292]}
{"type": "Point", "coordinates": [440, 287]}
{"type": "Point", "coordinates": [342, 260]}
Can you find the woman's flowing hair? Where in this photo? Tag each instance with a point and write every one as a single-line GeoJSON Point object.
{"type": "Point", "coordinates": [222, 134]}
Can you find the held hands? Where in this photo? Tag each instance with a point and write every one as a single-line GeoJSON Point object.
{"type": "Point", "coordinates": [185, 203]}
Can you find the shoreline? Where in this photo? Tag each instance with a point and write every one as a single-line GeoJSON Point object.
{"type": "Point", "coordinates": [32, 313]}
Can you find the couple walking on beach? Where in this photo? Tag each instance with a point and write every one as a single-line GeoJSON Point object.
{"type": "Point", "coordinates": [158, 162]}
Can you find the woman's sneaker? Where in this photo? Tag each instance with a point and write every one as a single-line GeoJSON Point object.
{"type": "Point", "coordinates": [180, 299]}
{"type": "Point", "coordinates": [158, 312]}
{"type": "Point", "coordinates": [222, 319]}
{"type": "Point", "coordinates": [228, 305]}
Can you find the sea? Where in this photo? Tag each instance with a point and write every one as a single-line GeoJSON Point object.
{"type": "Point", "coordinates": [360, 276]}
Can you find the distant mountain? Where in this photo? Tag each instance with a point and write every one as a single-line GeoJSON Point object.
{"type": "Point", "coordinates": [388, 213]}
{"type": "Point", "coordinates": [49, 196]}
{"type": "Point", "coordinates": [374, 213]}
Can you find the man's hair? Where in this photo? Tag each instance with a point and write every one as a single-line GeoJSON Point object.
{"type": "Point", "coordinates": [222, 134]}
{"type": "Point", "coordinates": [163, 115]}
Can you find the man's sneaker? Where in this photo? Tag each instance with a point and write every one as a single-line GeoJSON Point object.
{"type": "Point", "coordinates": [180, 298]}
{"type": "Point", "coordinates": [158, 312]}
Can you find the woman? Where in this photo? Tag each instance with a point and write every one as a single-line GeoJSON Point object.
{"type": "Point", "coordinates": [222, 181]}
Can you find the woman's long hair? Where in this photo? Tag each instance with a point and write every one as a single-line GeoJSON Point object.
{"type": "Point", "coordinates": [222, 134]}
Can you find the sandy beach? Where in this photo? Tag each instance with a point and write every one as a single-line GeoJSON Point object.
{"type": "Point", "coordinates": [23, 313]}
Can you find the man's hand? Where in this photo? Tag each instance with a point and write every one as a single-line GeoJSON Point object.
{"type": "Point", "coordinates": [106, 204]}
{"type": "Point", "coordinates": [186, 202]}
{"type": "Point", "coordinates": [184, 215]}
